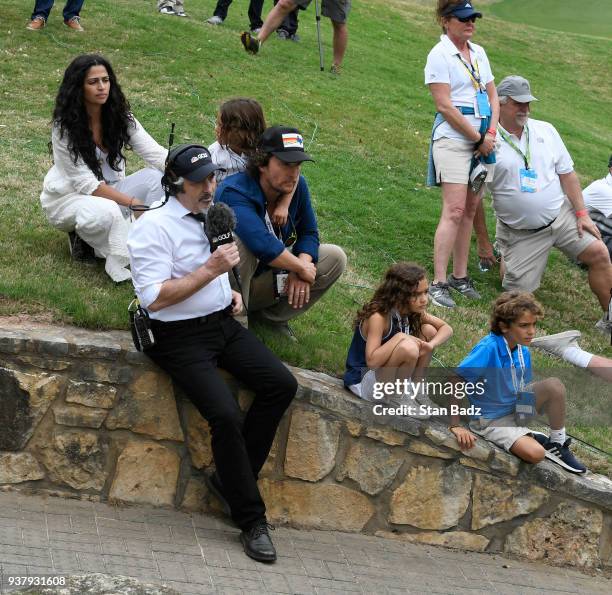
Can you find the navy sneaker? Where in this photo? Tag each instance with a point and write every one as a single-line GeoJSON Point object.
{"type": "Point", "coordinates": [540, 437]}
{"type": "Point", "coordinates": [561, 454]}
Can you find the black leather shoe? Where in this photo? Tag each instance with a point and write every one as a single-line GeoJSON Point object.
{"type": "Point", "coordinates": [80, 250]}
{"type": "Point", "coordinates": [213, 483]}
{"type": "Point", "coordinates": [257, 543]}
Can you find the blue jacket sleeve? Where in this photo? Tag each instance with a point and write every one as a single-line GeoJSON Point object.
{"type": "Point", "coordinates": [305, 223]}
{"type": "Point", "coordinates": [251, 227]}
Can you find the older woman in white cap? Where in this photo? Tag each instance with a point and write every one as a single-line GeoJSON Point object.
{"type": "Point", "coordinates": [463, 136]}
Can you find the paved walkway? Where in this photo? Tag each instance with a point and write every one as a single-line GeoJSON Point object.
{"type": "Point", "coordinates": [202, 554]}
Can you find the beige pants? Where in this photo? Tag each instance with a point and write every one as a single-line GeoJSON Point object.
{"type": "Point", "coordinates": [258, 292]}
{"type": "Point", "coordinates": [526, 252]}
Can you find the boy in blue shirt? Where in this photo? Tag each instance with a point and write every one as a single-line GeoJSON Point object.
{"type": "Point", "coordinates": [502, 361]}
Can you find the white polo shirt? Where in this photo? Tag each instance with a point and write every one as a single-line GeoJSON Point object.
{"type": "Point", "coordinates": [549, 158]}
{"type": "Point", "coordinates": [168, 244]}
{"type": "Point", "coordinates": [444, 66]}
{"type": "Point", "coordinates": [598, 195]}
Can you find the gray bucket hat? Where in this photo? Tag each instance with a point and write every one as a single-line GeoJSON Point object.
{"type": "Point", "coordinates": [517, 88]}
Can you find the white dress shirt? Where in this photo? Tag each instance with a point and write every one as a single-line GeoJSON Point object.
{"type": "Point", "coordinates": [443, 66]}
{"type": "Point", "coordinates": [598, 195]}
{"type": "Point", "coordinates": [167, 243]}
{"type": "Point", "coordinates": [549, 158]}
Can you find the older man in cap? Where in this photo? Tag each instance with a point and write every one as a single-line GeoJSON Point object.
{"type": "Point", "coordinates": [284, 269]}
{"type": "Point", "coordinates": [538, 201]}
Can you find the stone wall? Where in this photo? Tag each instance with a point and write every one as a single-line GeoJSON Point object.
{"type": "Point", "coordinates": [84, 415]}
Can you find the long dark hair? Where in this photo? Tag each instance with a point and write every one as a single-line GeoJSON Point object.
{"type": "Point", "coordinates": [241, 124]}
{"type": "Point", "coordinates": [398, 287]}
{"type": "Point", "coordinates": [71, 116]}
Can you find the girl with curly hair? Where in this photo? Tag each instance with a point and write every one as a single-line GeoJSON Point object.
{"type": "Point", "coordinates": [394, 332]}
{"type": "Point", "coordinates": [85, 190]}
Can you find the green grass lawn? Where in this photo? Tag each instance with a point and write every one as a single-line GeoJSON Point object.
{"type": "Point", "coordinates": [368, 131]}
{"type": "Point", "coordinates": [587, 17]}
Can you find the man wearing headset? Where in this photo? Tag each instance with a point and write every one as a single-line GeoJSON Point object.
{"type": "Point", "coordinates": [186, 291]}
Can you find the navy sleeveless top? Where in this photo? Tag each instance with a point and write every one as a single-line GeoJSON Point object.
{"type": "Point", "coordinates": [356, 359]}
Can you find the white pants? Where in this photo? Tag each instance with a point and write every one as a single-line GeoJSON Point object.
{"type": "Point", "coordinates": [101, 222]}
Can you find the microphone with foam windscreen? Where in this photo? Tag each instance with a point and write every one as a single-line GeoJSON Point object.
{"type": "Point", "coordinates": [220, 224]}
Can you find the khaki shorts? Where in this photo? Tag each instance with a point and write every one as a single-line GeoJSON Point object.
{"type": "Point", "coordinates": [452, 159]}
{"type": "Point", "coordinates": [336, 10]}
{"type": "Point", "coordinates": [503, 431]}
{"type": "Point", "coordinates": [526, 252]}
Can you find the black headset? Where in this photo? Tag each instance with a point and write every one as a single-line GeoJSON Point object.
{"type": "Point", "coordinates": [171, 182]}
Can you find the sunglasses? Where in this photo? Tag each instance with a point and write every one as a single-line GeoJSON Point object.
{"type": "Point", "coordinates": [471, 19]}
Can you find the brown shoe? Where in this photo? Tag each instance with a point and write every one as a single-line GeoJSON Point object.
{"type": "Point", "coordinates": [36, 24]}
{"type": "Point", "coordinates": [74, 23]}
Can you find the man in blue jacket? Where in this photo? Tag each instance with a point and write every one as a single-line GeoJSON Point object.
{"type": "Point", "coordinates": [284, 268]}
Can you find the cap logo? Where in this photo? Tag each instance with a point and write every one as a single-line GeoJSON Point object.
{"type": "Point", "coordinates": [198, 157]}
{"type": "Point", "coordinates": [293, 141]}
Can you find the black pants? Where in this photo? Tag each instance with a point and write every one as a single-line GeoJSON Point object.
{"type": "Point", "coordinates": [255, 8]}
{"type": "Point", "coordinates": [189, 351]}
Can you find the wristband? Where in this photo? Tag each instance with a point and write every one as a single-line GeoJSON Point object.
{"type": "Point", "coordinates": [492, 131]}
{"type": "Point", "coordinates": [480, 140]}
{"type": "Point", "coordinates": [582, 213]}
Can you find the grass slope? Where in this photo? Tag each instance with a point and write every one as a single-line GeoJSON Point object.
{"type": "Point", "coordinates": [367, 130]}
{"type": "Point", "coordinates": [587, 17]}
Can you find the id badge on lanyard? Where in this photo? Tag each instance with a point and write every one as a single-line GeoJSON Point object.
{"type": "Point", "coordinates": [528, 179]}
{"type": "Point", "coordinates": [525, 400]}
{"type": "Point", "coordinates": [483, 107]}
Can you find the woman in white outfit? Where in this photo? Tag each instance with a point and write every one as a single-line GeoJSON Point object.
{"type": "Point", "coordinates": [86, 191]}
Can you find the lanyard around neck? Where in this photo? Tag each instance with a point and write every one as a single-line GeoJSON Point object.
{"type": "Point", "coordinates": [473, 72]}
{"type": "Point", "coordinates": [402, 322]}
{"type": "Point", "coordinates": [527, 155]}
{"type": "Point", "coordinates": [518, 386]}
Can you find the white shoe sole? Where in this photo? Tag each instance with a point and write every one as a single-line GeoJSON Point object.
{"type": "Point", "coordinates": [555, 459]}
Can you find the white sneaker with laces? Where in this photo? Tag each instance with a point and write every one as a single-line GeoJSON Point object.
{"type": "Point", "coordinates": [214, 20]}
{"type": "Point", "coordinates": [558, 343]}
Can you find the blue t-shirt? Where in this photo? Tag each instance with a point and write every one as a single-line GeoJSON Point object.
{"type": "Point", "coordinates": [489, 362]}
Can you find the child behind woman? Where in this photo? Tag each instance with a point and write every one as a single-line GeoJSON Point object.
{"type": "Point", "coordinates": [240, 124]}
{"type": "Point", "coordinates": [394, 336]}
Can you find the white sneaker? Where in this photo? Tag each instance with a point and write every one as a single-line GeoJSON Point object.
{"type": "Point", "coordinates": [115, 268]}
{"type": "Point", "coordinates": [167, 10]}
{"type": "Point", "coordinates": [214, 20]}
{"type": "Point", "coordinates": [557, 344]}
{"type": "Point", "coordinates": [255, 31]}
{"type": "Point", "coordinates": [604, 326]}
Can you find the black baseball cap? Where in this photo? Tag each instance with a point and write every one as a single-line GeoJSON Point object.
{"type": "Point", "coordinates": [285, 143]}
{"type": "Point", "coordinates": [194, 163]}
{"type": "Point", "coordinates": [462, 10]}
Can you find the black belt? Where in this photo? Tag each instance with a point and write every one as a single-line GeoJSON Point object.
{"type": "Point", "coordinates": [174, 324]}
{"type": "Point", "coordinates": [531, 230]}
